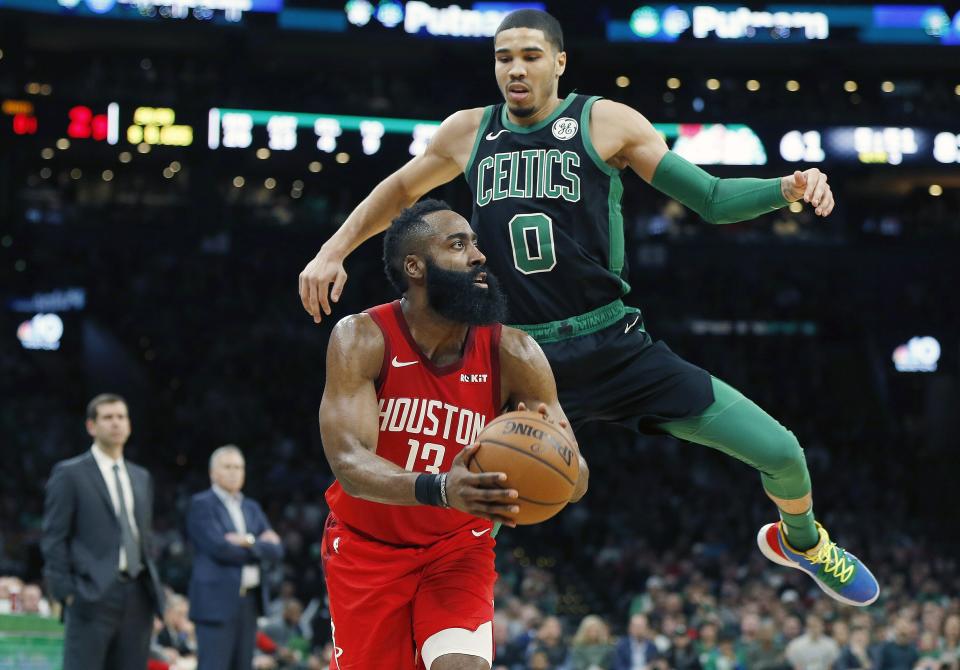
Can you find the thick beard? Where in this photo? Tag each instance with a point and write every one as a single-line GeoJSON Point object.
{"type": "Point", "coordinates": [454, 296]}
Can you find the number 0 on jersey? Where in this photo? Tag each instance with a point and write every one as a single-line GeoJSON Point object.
{"type": "Point", "coordinates": [531, 236]}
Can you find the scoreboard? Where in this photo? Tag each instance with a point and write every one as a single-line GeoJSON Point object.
{"type": "Point", "coordinates": [886, 145]}
{"type": "Point", "coordinates": [234, 129]}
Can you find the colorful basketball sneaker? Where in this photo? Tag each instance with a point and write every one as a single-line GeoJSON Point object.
{"type": "Point", "coordinates": [840, 574]}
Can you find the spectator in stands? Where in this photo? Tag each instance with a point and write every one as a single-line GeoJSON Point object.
{"type": "Point", "coordinates": [856, 653]}
{"type": "Point", "coordinates": [9, 592]}
{"type": "Point", "coordinates": [765, 652]}
{"type": "Point", "coordinates": [636, 651]}
{"type": "Point", "coordinates": [725, 656]}
{"type": "Point", "coordinates": [840, 632]}
{"type": "Point", "coordinates": [178, 631]}
{"type": "Point", "coordinates": [900, 653]}
{"type": "Point", "coordinates": [528, 622]}
{"type": "Point", "coordinates": [682, 654]}
{"type": "Point", "coordinates": [813, 650]}
{"type": "Point", "coordinates": [950, 643]}
{"type": "Point", "coordinates": [929, 653]}
{"type": "Point", "coordinates": [509, 650]}
{"type": "Point", "coordinates": [32, 601]}
{"type": "Point", "coordinates": [285, 631]}
{"type": "Point", "coordinates": [931, 619]}
{"type": "Point", "coordinates": [540, 661]}
{"type": "Point", "coordinates": [792, 629]}
{"type": "Point", "coordinates": [749, 628]}
{"type": "Point", "coordinates": [548, 646]}
{"type": "Point", "coordinates": [707, 643]}
{"type": "Point", "coordinates": [591, 648]}
{"type": "Point", "coordinates": [276, 606]}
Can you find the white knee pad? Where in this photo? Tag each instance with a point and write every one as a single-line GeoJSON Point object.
{"type": "Point", "coordinates": [459, 641]}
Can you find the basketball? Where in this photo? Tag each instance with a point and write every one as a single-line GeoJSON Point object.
{"type": "Point", "coordinates": [538, 457]}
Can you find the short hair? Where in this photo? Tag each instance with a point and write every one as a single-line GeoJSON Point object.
{"type": "Point", "coordinates": [403, 237]}
{"type": "Point", "coordinates": [173, 600]}
{"type": "Point", "coordinates": [102, 399]}
{"type": "Point", "coordinates": [225, 449]}
{"type": "Point", "coordinates": [537, 20]}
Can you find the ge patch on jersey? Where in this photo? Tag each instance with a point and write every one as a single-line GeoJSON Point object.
{"type": "Point", "coordinates": [565, 128]}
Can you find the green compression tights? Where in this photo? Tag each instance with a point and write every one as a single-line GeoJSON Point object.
{"type": "Point", "coordinates": [736, 426]}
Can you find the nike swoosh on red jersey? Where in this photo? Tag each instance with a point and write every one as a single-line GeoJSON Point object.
{"type": "Point", "coordinates": [398, 364]}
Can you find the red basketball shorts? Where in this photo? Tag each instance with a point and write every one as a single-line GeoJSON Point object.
{"type": "Point", "coordinates": [402, 607]}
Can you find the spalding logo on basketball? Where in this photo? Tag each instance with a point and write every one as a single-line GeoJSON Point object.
{"type": "Point", "coordinates": [538, 457]}
{"type": "Point", "coordinates": [565, 128]}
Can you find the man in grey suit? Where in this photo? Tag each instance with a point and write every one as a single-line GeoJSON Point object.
{"type": "Point", "coordinates": [97, 522]}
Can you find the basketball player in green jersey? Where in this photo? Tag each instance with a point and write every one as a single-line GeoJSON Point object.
{"type": "Point", "coordinates": [545, 178]}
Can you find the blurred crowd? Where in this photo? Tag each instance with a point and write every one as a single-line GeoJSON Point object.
{"type": "Point", "coordinates": [657, 567]}
{"type": "Point", "coordinates": [711, 609]}
{"type": "Point", "coordinates": [920, 637]}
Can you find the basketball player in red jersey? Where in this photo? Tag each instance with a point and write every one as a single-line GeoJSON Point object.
{"type": "Point", "coordinates": [407, 548]}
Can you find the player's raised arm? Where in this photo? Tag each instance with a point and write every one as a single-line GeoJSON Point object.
{"type": "Point", "coordinates": [349, 426]}
{"type": "Point", "coordinates": [443, 159]}
{"type": "Point", "coordinates": [626, 138]}
{"type": "Point", "coordinates": [527, 381]}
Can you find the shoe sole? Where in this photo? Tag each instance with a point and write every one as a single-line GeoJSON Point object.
{"type": "Point", "coordinates": [779, 559]}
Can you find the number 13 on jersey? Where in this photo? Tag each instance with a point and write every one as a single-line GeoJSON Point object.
{"type": "Point", "coordinates": [429, 448]}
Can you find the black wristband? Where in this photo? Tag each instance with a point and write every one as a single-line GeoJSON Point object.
{"type": "Point", "coordinates": [428, 490]}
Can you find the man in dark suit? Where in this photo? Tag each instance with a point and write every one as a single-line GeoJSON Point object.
{"type": "Point", "coordinates": [232, 540]}
{"type": "Point", "coordinates": [636, 651]}
{"type": "Point", "coordinates": [97, 522]}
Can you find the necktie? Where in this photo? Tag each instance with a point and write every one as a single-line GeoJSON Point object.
{"type": "Point", "coordinates": [128, 541]}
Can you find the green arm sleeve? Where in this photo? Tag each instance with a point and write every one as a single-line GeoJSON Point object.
{"type": "Point", "coordinates": [716, 200]}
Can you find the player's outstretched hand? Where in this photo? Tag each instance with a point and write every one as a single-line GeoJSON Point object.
{"type": "Point", "coordinates": [543, 411]}
{"type": "Point", "coordinates": [480, 494]}
{"type": "Point", "coordinates": [812, 186]}
{"type": "Point", "coordinates": [315, 280]}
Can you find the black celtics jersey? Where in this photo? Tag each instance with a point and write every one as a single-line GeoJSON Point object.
{"type": "Point", "coordinates": [547, 211]}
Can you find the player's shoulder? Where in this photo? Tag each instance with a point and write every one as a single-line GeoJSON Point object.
{"type": "Point", "coordinates": [462, 124]}
{"type": "Point", "coordinates": [358, 332]}
{"type": "Point", "coordinates": [614, 125]}
{"type": "Point", "coordinates": [605, 111]}
{"type": "Point", "coordinates": [517, 347]}
{"type": "Point", "coordinates": [455, 136]}
{"type": "Point", "coordinates": [464, 119]}
{"type": "Point", "coordinates": [357, 341]}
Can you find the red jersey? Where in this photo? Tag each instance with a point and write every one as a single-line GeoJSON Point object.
{"type": "Point", "coordinates": [428, 414]}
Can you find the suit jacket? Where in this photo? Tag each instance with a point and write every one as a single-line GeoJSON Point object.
{"type": "Point", "coordinates": [217, 564]}
{"type": "Point", "coordinates": [623, 653]}
{"type": "Point", "coordinates": [81, 532]}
